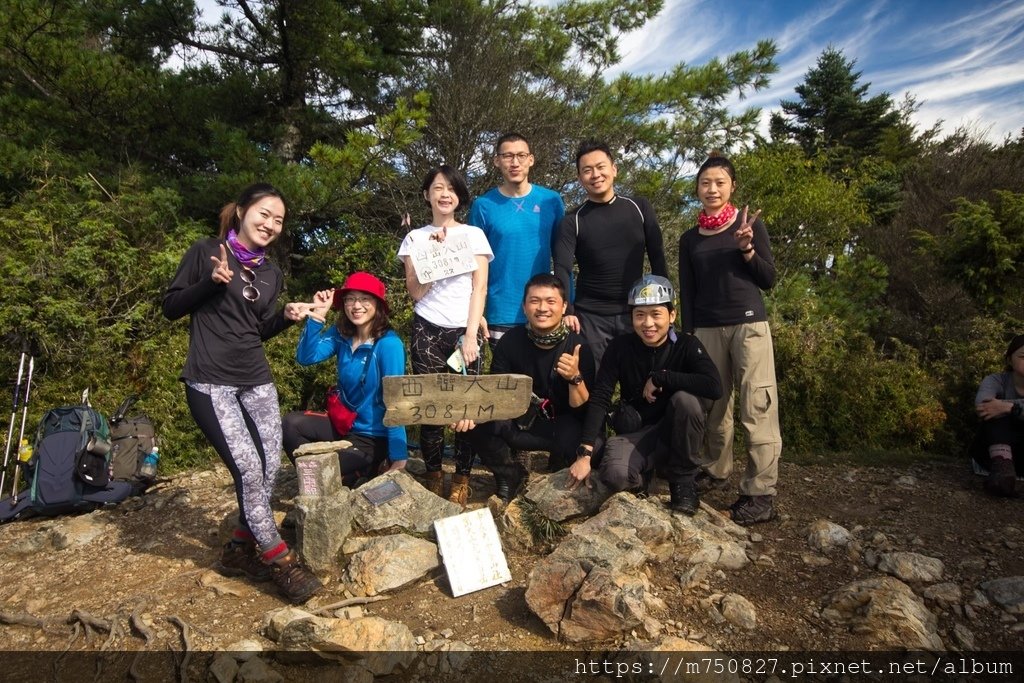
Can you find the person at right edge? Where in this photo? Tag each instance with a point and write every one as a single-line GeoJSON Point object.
{"type": "Point", "coordinates": [666, 383]}
{"type": "Point", "coordinates": [999, 447]}
{"type": "Point", "coordinates": [724, 263]}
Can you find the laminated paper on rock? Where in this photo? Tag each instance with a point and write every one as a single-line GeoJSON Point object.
{"type": "Point", "coordinates": [471, 549]}
{"type": "Point", "coordinates": [442, 399]}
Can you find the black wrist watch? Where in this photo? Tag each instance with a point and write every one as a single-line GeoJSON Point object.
{"type": "Point", "coordinates": [1016, 410]}
{"type": "Point", "coordinates": [575, 380]}
{"type": "Point", "coordinates": [582, 451]}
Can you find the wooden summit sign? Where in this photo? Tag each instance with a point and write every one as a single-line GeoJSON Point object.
{"type": "Point", "coordinates": [442, 399]}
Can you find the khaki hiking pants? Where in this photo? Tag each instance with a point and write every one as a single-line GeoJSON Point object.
{"type": "Point", "coordinates": [744, 356]}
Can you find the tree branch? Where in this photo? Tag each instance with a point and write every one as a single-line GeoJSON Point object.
{"type": "Point", "coordinates": [251, 16]}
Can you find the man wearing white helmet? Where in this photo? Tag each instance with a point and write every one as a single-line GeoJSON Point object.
{"type": "Point", "coordinates": [667, 383]}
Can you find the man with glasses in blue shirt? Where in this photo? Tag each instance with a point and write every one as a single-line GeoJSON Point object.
{"type": "Point", "coordinates": [520, 220]}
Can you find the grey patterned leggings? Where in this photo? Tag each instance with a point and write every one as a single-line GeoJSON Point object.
{"type": "Point", "coordinates": [243, 424]}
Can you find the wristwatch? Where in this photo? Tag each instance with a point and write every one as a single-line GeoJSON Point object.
{"type": "Point", "coordinates": [582, 451]}
{"type": "Point", "coordinates": [575, 380]}
{"type": "Point", "coordinates": [1016, 410]}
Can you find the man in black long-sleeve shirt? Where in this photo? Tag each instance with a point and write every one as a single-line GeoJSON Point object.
{"type": "Point", "coordinates": [607, 236]}
{"type": "Point", "coordinates": [667, 383]}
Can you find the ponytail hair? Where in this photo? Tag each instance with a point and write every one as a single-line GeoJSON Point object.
{"type": "Point", "coordinates": [229, 213]}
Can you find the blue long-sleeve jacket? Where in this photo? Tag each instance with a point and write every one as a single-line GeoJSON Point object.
{"type": "Point", "coordinates": [317, 344]}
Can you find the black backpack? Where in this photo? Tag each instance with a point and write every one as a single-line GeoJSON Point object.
{"type": "Point", "coordinates": [69, 470]}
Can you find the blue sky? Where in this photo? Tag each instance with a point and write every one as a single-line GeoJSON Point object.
{"type": "Point", "coordinates": [963, 61]}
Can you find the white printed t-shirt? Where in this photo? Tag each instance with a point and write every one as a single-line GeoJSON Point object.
{"type": "Point", "coordinates": [446, 303]}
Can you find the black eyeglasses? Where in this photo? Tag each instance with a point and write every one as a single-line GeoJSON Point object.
{"type": "Point", "coordinates": [249, 291]}
{"type": "Point", "coordinates": [507, 157]}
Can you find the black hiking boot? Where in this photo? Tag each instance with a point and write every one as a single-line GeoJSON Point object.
{"type": "Point", "coordinates": [1002, 478]}
{"type": "Point", "coordinates": [749, 510]}
{"type": "Point", "coordinates": [297, 583]}
{"type": "Point", "coordinates": [242, 559]}
{"type": "Point", "coordinates": [683, 497]}
{"type": "Point", "coordinates": [508, 481]}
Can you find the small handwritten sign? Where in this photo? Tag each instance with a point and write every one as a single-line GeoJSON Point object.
{"type": "Point", "coordinates": [471, 550]}
{"type": "Point", "coordinates": [433, 260]}
{"type": "Point", "coordinates": [441, 399]}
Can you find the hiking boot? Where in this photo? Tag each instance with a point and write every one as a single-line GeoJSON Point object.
{"type": "Point", "coordinates": [508, 482]}
{"type": "Point", "coordinates": [242, 559]}
{"type": "Point", "coordinates": [706, 482]}
{"type": "Point", "coordinates": [683, 497]}
{"type": "Point", "coordinates": [435, 483]}
{"type": "Point", "coordinates": [294, 580]}
{"type": "Point", "coordinates": [749, 510]}
{"type": "Point", "coordinates": [1002, 478]}
{"type": "Point", "coordinates": [643, 491]}
{"type": "Point", "coordinates": [460, 489]}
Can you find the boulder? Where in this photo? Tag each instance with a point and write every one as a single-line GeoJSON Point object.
{"type": "Point", "coordinates": [739, 611]}
{"type": "Point", "coordinates": [318, 468]}
{"type": "Point", "coordinates": [607, 604]}
{"type": "Point", "coordinates": [592, 586]}
{"type": "Point", "coordinates": [674, 667]}
{"type": "Point", "coordinates": [378, 645]}
{"type": "Point", "coordinates": [886, 610]}
{"type": "Point", "coordinates": [274, 621]}
{"type": "Point", "coordinates": [223, 668]}
{"type": "Point", "coordinates": [823, 535]}
{"type": "Point", "coordinates": [413, 511]}
{"type": "Point", "coordinates": [943, 594]}
{"type": "Point", "coordinates": [322, 525]}
{"type": "Point", "coordinates": [389, 562]}
{"type": "Point", "coordinates": [1007, 592]}
{"type": "Point", "coordinates": [551, 494]}
{"type": "Point", "coordinates": [911, 566]}
{"type": "Point", "coordinates": [256, 671]}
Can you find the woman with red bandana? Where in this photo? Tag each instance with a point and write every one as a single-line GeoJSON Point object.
{"type": "Point", "coordinates": [724, 264]}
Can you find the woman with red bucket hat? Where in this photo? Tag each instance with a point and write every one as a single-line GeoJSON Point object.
{"type": "Point", "coordinates": [367, 349]}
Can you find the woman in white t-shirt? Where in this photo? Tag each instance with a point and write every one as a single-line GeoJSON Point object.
{"type": "Point", "coordinates": [447, 315]}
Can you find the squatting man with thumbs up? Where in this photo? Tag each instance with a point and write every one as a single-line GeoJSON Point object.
{"type": "Point", "coordinates": [562, 367]}
{"type": "Point", "coordinates": [666, 384]}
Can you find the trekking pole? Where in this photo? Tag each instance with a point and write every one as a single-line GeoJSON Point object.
{"type": "Point", "coordinates": [21, 434]}
{"type": "Point", "coordinates": [14, 413]}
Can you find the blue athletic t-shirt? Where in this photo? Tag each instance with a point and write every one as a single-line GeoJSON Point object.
{"type": "Point", "coordinates": [520, 231]}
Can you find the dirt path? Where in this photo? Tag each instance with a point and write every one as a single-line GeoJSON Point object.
{"type": "Point", "coordinates": [151, 557]}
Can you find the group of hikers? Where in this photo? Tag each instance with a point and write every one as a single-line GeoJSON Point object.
{"type": "Point", "coordinates": [674, 413]}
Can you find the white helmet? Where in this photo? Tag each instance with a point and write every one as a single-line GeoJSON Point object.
{"type": "Point", "coordinates": [651, 290]}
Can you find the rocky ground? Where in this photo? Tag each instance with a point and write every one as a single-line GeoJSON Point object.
{"type": "Point", "coordinates": [921, 542]}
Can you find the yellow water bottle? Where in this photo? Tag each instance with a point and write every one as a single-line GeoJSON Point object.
{"type": "Point", "coordinates": [25, 452]}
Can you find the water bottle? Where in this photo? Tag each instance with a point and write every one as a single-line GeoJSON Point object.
{"type": "Point", "coordinates": [149, 463]}
{"type": "Point", "coordinates": [25, 452]}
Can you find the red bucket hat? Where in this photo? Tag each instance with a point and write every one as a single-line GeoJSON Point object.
{"type": "Point", "coordinates": [361, 282]}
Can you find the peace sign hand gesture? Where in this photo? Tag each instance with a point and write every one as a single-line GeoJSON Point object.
{"type": "Point", "coordinates": [222, 272]}
{"type": "Point", "coordinates": [745, 233]}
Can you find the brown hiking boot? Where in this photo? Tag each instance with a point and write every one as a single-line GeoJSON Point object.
{"type": "Point", "coordinates": [460, 489]}
{"type": "Point", "coordinates": [435, 483]}
{"type": "Point", "coordinates": [242, 559]}
{"type": "Point", "coordinates": [294, 580]}
{"type": "Point", "coordinates": [1002, 478]}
